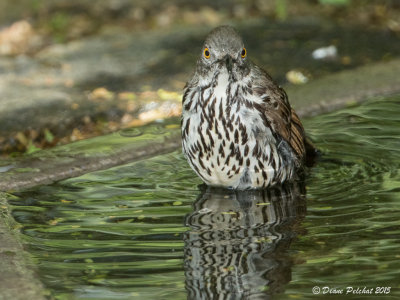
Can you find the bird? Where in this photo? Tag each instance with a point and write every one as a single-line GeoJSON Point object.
{"type": "Point", "coordinates": [238, 128]}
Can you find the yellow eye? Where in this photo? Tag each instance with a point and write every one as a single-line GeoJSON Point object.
{"type": "Point", "coordinates": [244, 53]}
{"type": "Point", "coordinates": [206, 53]}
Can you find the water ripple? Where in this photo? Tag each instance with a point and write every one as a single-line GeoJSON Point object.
{"type": "Point", "coordinates": [145, 230]}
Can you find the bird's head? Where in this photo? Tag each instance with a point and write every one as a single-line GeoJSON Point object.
{"type": "Point", "coordinates": [223, 51]}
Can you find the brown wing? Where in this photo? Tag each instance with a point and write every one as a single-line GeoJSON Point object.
{"type": "Point", "coordinates": [297, 135]}
{"type": "Point", "coordinates": [286, 122]}
{"type": "Point", "coordinates": [282, 118]}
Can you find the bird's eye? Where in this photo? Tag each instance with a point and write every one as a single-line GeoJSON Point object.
{"type": "Point", "coordinates": [206, 53]}
{"type": "Point", "coordinates": [243, 53]}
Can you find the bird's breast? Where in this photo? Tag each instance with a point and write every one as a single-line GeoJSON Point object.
{"type": "Point", "coordinates": [220, 85]}
{"type": "Point", "coordinates": [226, 140]}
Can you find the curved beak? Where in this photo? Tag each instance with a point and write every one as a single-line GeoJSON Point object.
{"type": "Point", "coordinates": [228, 63]}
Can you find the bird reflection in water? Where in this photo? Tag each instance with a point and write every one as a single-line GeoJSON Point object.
{"type": "Point", "coordinates": [237, 245]}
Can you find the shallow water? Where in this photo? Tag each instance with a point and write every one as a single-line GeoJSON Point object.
{"type": "Point", "coordinates": [147, 231]}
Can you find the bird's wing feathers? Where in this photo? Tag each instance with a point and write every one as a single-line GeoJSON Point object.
{"type": "Point", "coordinates": [297, 136]}
{"type": "Point", "coordinates": [279, 113]}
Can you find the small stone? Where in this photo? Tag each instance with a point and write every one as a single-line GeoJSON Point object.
{"type": "Point", "coordinates": [126, 118]}
{"type": "Point", "coordinates": [296, 77]}
{"type": "Point", "coordinates": [329, 52]}
{"type": "Point", "coordinates": [101, 94]}
{"type": "Point", "coordinates": [18, 38]}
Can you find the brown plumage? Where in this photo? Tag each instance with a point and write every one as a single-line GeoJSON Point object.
{"type": "Point", "coordinates": [277, 109]}
{"type": "Point", "coordinates": [238, 128]}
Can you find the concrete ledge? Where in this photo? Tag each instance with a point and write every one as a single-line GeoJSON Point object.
{"type": "Point", "coordinates": [47, 166]}
{"type": "Point", "coordinates": [345, 88]}
{"type": "Point", "coordinates": [17, 280]}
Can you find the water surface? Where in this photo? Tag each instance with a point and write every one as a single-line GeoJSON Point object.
{"type": "Point", "coordinates": [147, 230]}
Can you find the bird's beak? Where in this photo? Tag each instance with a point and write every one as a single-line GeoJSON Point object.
{"type": "Point", "coordinates": [228, 63]}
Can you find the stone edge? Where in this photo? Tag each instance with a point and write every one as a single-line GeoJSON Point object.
{"type": "Point", "coordinates": [18, 280]}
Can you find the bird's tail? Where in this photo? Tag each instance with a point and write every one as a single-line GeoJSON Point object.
{"type": "Point", "coordinates": [312, 153]}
